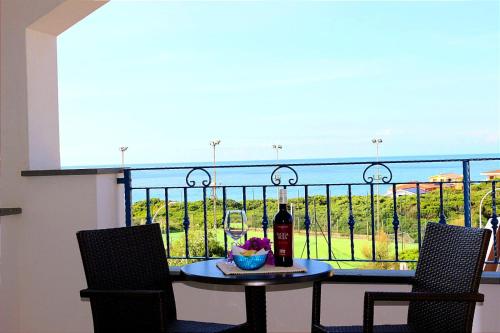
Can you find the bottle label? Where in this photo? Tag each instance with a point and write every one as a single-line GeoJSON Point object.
{"type": "Point", "coordinates": [283, 238]}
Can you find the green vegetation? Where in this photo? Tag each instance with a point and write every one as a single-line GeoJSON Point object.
{"type": "Point", "coordinates": [339, 210]}
{"type": "Point", "coordinates": [341, 248]}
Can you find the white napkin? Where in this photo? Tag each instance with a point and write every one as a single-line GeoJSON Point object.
{"type": "Point", "coordinates": [261, 252]}
{"type": "Point", "coordinates": [236, 250]}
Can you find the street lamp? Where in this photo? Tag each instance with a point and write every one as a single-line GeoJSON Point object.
{"type": "Point", "coordinates": [377, 142]}
{"type": "Point", "coordinates": [277, 147]}
{"type": "Point", "coordinates": [277, 176]}
{"type": "Point", "coordinates": [214, 143]}
{"type": "Point", "coordinates": [123, 149]}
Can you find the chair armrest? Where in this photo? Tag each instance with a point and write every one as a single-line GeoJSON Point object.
{"type": "Point", "coordinates": [126, 293]}
{"type": "Point", "coordinates": [155, 296]}
{"type": "Point", "coordinates": [371, 297]}
{"type": "Point", "coordinates": [424, 296]}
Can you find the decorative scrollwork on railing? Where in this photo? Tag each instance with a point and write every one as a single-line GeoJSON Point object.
{"type": "Point", "coordinates": [377, 178]}
{"type": "Point", "coordinates": [192, 183]}
{"type": "Point", "coordinates": [276, 180]}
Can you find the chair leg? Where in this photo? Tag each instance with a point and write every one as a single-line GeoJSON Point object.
{"type": "Point", "coordinates": [255, 298]}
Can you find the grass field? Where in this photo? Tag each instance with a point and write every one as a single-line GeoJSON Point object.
{"type": "Point", "coordinates": [341, 247]}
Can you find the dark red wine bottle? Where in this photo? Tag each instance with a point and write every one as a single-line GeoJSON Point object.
{"type": "Point", "coordinates": [283, 234]}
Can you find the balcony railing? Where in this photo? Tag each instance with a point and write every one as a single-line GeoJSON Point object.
{"type": "Point", "coordinates": [377, 203]}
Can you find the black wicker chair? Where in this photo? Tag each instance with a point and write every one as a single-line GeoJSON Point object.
{"type": "Point", "coordinates": [129, 284]}
{"type": "Point", "coordinates": [445, 287]}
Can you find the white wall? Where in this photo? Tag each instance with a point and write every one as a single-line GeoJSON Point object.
{"type": "Point", "coordinates": [9, 314]}
{"type": "Point", "coordinates": [41, 249]}
{"type": "Point", "coordinates": [42, 98]}
{"type": "Point", "coordinates": [28, 134]}
{"type": "Point", "coordinates": [50, 269]}
{"type": "Point", "coordinates": [289, 309]}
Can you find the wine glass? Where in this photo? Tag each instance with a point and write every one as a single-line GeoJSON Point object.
{"type": "Point", "coordinates": [235, 224]}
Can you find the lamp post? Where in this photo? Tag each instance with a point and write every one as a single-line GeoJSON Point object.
{"type": "Point", "coordinates": [123, 149]}
{"type": "Point", "coordinates": [277, 176]}
{"type": "Point", "coordinates": [377, 142]}
{"type": "Point", "coordinates": [214, 143]}
{"type": "Point", "coordinates": [277, 148]}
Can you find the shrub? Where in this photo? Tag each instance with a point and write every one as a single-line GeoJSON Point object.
{"type": "Point", "coordinates": [196, 247]}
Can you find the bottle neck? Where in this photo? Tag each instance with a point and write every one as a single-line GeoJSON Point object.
{"type": "Point", "coordinates": [283, 207]}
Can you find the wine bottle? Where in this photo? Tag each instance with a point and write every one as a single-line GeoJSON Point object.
{"type": "Point", "coordinates": [283, 233]}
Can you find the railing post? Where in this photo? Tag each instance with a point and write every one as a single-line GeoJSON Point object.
{"type": "Point", "coordinates": [148, 206]}
{"type": "Point", "coordinates": [419, 219]}
{"type": "Point", "coordinates": [494, 219]}
{"type": "Point", "coordinates": [127, 187]}
{"type": "Point", "coordinates": [395, 220]}
{"type": "Point", "coordinates": [351, 221]}
{"type": "Point", "coordinates": [265, 220]}
{"type": "Point", "coordinates": [372, 211]}
{"type": "Point", "coordinates": [224, 211]}
{"type": "Point", "coordinates": [442, 217]}
{"type": "Point", "coordinates": [466, 183]}
{"type": "Point", "coordinates": [186, 222]}
{"type": "Point", "coordinates": [307, 220]}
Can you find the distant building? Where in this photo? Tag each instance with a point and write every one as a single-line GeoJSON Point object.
{"type": "Point", "coordinates": [454, 180]}
{"type": "Point", "coordinates": [449, 180]}
{"type": "Point", "coordinates": [446, 177]}
{"type": "Point", "coordinates": [409, 189]}
{"type": "Point", "coordinates": [491, 175]}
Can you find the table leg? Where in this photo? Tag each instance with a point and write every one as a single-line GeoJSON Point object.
{"type": "Point", "coordinates": [255, 298]}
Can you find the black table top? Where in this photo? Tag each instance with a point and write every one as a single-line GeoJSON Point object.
{"type": "Point", "coordinates": [207, 272]}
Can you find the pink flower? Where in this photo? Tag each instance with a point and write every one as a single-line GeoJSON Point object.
{"type": "Point", "coordinates": [270, 258]}
{"type": "Point", "coordinates": [256, 243]}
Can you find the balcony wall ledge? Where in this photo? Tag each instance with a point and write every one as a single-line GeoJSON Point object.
{"type": "Point", "coordinates": [358, 276]}
{"type": "Point", "coordinates": [10, 211]}
{"type": "Point", "coordinates": [70, 172]}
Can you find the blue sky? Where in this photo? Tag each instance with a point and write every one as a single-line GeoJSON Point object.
{"type": "Point", "coordinates": [320, 78]}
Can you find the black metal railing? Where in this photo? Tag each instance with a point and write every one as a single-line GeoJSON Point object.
{"type": "Point", "coordinates": [189, 186]}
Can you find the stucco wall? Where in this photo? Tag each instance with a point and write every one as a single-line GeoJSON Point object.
{"type": "Point", "coordinates": [28, 134]}
{"type": "Point", "coordinates": [289, 309]}
{"type": "Point", "coordinates": [47, 260]}
{"type": "Point", "coordinates": [50, 272]}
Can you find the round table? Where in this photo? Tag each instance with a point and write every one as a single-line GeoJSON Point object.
{"type": "Point", "coordinates": [255, 284]}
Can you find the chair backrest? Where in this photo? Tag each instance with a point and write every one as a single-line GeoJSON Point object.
{"type": "Point", "coordinates": [451, 261]}
{"type": "Point", "coordinates": [126, 258]}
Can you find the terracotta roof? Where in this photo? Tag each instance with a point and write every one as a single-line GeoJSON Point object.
{"type": "Point", "coordinates": [429, 187]}
{"type": "Point", "coordinates": [425, 187]}
{"type": "Point", "coordinates": [413, 186]}
{"type": "Point", "coordinates": [491, 173]}
{"type": "Point", "coordinates": [405, 186]}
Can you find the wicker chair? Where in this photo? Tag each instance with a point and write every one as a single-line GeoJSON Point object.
{"type": "Point", "coordinates": [445, 287]}
{"type": "Point", "coordinates": [129, 284]}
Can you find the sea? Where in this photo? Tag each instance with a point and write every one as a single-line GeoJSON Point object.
{"type": "Point", "coordinates": [254, 178]}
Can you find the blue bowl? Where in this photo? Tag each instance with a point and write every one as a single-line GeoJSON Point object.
{"type": "Point", "coordinates": [251, 262]}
